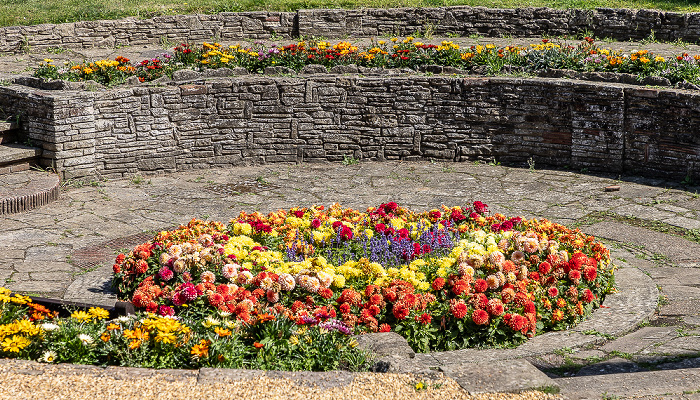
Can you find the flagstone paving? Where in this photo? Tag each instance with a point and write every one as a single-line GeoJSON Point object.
{"type": "Point", "coordinates": [65, 250]}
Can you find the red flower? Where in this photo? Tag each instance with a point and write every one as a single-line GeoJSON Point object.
{"type": "Point", "coordinates": [116, 268]}
{"type": "Point", "coordinates": [344, 308]}
{"type": "Point", "coordinates": [315, 223]}
{"type": "Point", "coordinates": [438, 283]}
{"type": "Point", "coordinates": [574, 275]}
{"type": "Point", "coordinates": [424, 319]}
{"type": "Point", "coordinates": [258, 345]}
{"type": "Point", "coordinates": [530, 307]}
{"type": "Point", "coordinates": [141, 266]}
{"type": "Point", "coordinates": [458, 309]}
{"type": "Point", "coordinates": [587, 295]}
{"type": "Point", "coordinates": [553, 292]}
{"type": "Point", "coordinates": [400, 311]}
{"type": "Point", "coordinates": [545, 267]}
{"type": "Point", "coordinates": [325, 293]}
{"type": "Point", "coordinates": [480, 317]}
{"type": "Point", "coordinates": [480, 285]}
{"type": "Point", "coordinates": [495, 307]}
{"type": "Point", "coordinates": [216, 299]}
{"type": "Point", "coordinates": [374, 310]}
{"type": "Point", "coordinates": [590, 273]}
{"type": "Point", "coordinates": [384, 328]}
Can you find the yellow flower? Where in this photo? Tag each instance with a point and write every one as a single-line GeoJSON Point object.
{"type": "Point", "coordinates": [48, 60]}
{"type": "Point", "coordinates": [394, 39]}
{"type": "Point", "coordinates": [659, 59]}
{"type": "Point", "coordinates": [99, 313]}
{"type": "Point", "coordinates": [15, 344]}
{"type": "Point", "coordinates": [82, 316]}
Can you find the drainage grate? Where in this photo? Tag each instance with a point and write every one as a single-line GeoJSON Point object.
{"type": "Point", "coordinates": [88, 257]}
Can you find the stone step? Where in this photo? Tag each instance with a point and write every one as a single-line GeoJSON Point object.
{"type": "Point", "coordinates": [26, 190]}
{"type": "Point", "coordinates": [8, 132]}
{"type": "Point", "coordinates": [673, 382]}
{"type": "Point", "coordinates": [16, 157]}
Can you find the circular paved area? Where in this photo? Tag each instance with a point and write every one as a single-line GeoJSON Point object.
{"type": "Point", "coordinates": [65, 249]}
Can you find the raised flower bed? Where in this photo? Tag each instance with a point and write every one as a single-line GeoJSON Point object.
{"type": "Point", "coordinates": [538, 58]}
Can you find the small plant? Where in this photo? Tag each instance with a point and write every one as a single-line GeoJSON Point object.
{"type": "Point", "coordinates": [350, 160]}
{"type": "Point", "coordinates": [137, 180]}
{"type": "Point", "coordinates": [531, 163]}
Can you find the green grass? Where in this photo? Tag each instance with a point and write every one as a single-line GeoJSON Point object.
{"type": "Point", "coordinates": [31, 12]}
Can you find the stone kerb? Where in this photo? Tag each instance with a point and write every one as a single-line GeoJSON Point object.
{"type": "Point", "coordinates": [619, 24]}
{"type": "Point", "coordinates": [205, 123]}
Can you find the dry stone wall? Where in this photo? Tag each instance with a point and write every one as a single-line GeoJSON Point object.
{"type": "Point", "coordinates": [232, 121]}
{"type": "Point", "coordinates": [620, 24]}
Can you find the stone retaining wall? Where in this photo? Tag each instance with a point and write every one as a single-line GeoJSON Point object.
{"type": "Point", "coordinates": [620, 24]}
{"type": "Point", "coordinates": [229, 121]}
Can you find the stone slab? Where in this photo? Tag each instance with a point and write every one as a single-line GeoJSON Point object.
{"type": "Point", "coordinates": [641, 339]}
{"type": "Point", "coordinates": [677, 249]}
{"type": "Point", "coordinates": [498, 376]}
{"type": "Point", "coordinates": [631, 385]}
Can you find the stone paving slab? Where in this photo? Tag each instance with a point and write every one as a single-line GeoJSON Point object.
{"type": "Point", "coordinates": [631, 385]}
{"type": "Point", "coordinates": [498, 376]}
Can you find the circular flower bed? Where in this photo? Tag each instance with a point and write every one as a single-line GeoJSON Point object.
{"type": "Point", "coordinates": [287, 290]}
{"type": "Point", "coordinates": [444, 279]}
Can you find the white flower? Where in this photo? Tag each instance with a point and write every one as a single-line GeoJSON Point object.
{"type": "Point", "coordinates": [86, 339]}
{"type": "Point", "coordinates": [48, 326]}
{"type": "Point", "coordinates": [123, 318]}
{"type": "Point", "coordinates": [48, 356]}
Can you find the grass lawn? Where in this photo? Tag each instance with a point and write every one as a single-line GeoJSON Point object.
{"type": "Point", "coordinates": [31, 12]}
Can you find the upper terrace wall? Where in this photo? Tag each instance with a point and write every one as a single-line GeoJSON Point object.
{"type": "Point", "coordinates": [620, 24]}
{"type": "Point", "coordinates": [230, 121]}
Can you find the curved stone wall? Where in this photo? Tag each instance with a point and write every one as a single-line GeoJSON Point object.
{"type": "Point", "coordinates": [613, 128]}
{"type": "Point", "coordinates": [620, 24]}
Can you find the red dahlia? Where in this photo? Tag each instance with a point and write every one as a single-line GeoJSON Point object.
{"type": "Point", "coordinates": [480, 317]}
{"type": "Point", "coordinates": [458, 309]}
{"type": "Point", "coordinates": [438, 283]}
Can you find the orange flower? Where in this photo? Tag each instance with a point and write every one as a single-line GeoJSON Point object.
{"type": "Point", "coordinates": [265, 317]}
{"type": "Point", "coordinates": [113, 327]}
{"type": "Point", "coordinates": [258, 345]}
{"type": "Point", "coordinates": [200, 350]}
{"type": "Point", "coordinates": [222, 332]}
{"type": "Point", "coordinates": [105, 337]}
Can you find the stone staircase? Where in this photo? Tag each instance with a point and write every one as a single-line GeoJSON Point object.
{"type": "Point", "coordinates": [22, 188]}
{"type": "Point", "coordinates": [15, 157]}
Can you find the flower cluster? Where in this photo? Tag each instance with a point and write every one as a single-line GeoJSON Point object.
{"type": "Point", "coordinates": [392, 53]}
{"type": "Point", "coordinates": [266, 341]}
{"type": "Point", "coordinates": [446, 278]}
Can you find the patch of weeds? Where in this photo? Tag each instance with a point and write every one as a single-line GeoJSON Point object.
{"type": "Point", "coordinates": [88, 270]}
{"type": "Point", "coordinates": [448, 169]}
{"type": "Point", "coordinates": [56, 50]}
{"type": "Point", "coordinates": [198, 179]}
{"type": "Point", "coordinates": [548, 389]}
{"type": "Point", "coordinates": [350, 160]}
{"type": "Point", "coordinates": [596, 333]}
{"type": "Point", "coordinates": [137, 180]}
{"type": "Point", "coordinates": [620, 354]}
{"type": "Point", "coordinates": [261, 180]}
{"type": "Point", "coordinates": [606, 396]}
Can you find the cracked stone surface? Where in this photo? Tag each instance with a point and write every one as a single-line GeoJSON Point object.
{"type": "Point", "coordinates": [66, 249]}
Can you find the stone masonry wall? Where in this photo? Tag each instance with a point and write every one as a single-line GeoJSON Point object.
{"type": "Point", "coordinates": [233, 121]}
{"type": "Point", "coordinates": [620, 24]}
